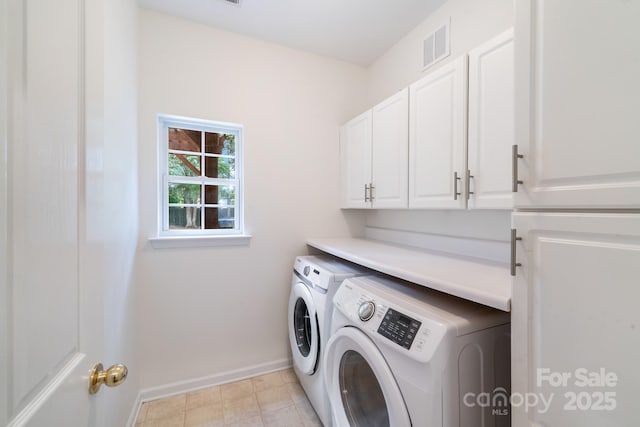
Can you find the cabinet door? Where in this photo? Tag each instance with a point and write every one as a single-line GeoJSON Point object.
{"type": "Point", "coordinates": [355, 158]}
{"type": "Point", "coordinates": [577, 103]}
{"type": "Point", "coordinates": [491, 123]}
{"type": "Point", "coordinates": [575, 316]}
{"type": "Point", "coordinates": [390, 150]}
{"type": "Point", "coordinates": [437, 137]}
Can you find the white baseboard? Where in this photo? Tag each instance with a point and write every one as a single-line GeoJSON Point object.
{"type": "Point", "coordinates": [180, 387]}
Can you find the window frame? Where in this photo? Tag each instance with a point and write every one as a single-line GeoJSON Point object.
{"type": "Point", "coordinates": [164, 122]}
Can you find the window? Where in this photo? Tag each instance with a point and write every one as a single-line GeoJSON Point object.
{"type": "Point", "coordinates": [200, 165]}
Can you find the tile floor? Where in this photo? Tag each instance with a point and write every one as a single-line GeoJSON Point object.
{"type": "Point", "coordinates": [271, 400]}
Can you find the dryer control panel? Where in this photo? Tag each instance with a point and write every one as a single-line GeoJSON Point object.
{"type": "Point", "coordinates": [399, 328]}
{"type": "Point", "coordinates": [389, 318]}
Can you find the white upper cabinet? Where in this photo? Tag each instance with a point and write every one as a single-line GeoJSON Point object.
{"type": "Point", "coordinates": [491, 124]}
{"type": "Point", "coordinates": [374, 149]}
{"type": "Point", "coordinates": [355, 161]}
{"type": "Point", "coordinates": [437, 138]}
{"type": "Point", "coordinates": [577, 103]}
{"type": "Point", "coordinates": [390, 150]}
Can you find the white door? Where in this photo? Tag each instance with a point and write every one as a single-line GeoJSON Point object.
{"type": "Point", "coordinates": [50, 305]}
{"type": "Point", "coordinates": [577, 103]}
{"type": "Point", "coordinates": [575, 320]}
{"type": "Point", "coordinates": [437, 138]}
{"type": "Point", "coordinates": [355, 161]}
{"type": "Point", "coordinates": [491, 123]}
{"type": "Point", "coordinates": [390, 151]}
{"type": "Point", "coordinates": [361, 387]}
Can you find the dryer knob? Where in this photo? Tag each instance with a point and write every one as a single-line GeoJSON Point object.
{"type": "Point", "coordinates": [366, 310]}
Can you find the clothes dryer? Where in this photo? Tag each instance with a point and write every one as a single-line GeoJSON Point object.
{"type": "Point", "coordinates": [402, 355]}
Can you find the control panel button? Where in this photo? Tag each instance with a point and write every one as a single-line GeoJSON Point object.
{"type": "Point", "coordinates": [306, 270]}
{"type": "Point", "coordinates": [366, 310]}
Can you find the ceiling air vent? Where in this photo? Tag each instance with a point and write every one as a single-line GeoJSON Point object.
{"type": "Point", "coordinates": [435, 46]}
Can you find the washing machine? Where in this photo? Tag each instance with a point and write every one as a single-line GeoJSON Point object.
{"type": "Point", "coordinates": [402, 355]}
{"type": "Point", "coordinates": [313, 285]}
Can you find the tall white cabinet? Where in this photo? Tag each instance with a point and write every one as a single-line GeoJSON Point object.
{"type": "Point", "coordinates": [437, 138]}
{"type": "Point", "coordinates": [575, 320]}
{"type": "Point", "coordinates": [579, 101]}
{"type": "Point", "coordinates": [373, 150]}
{"type": "Point", "coordinates": [575, 313]}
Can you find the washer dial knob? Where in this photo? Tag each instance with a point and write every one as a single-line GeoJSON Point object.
{"type": "Point", "coordinates": [366, 310]}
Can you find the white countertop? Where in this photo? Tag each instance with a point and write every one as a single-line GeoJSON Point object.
{"type": "Point", "coordinates": [474, 279]}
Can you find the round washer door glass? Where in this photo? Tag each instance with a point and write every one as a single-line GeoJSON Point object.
{"type": "Point", "coordinates": [303, 329]}
{"type": "Point", "coordinates": [361, 386]}
{"type": "Point", "coordinates": [362, 396]}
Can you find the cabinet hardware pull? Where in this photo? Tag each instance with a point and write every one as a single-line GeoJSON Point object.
{"type": "Point", "coordinates": [371, 188]}
{"type": "Point", "coordinates": [514, 239]}
{"type": "Point", "coordinates": [456, 178]}
{"type": "Point", "coordinates": [468, 184]}
{"type": "Point", "coordinates": [514, 168]}
{"type": "Point", "coordinates": [366, 197]}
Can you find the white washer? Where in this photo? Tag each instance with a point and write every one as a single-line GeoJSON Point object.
{"type": "Point", "coordinates": [402, 355]}
{"type": "Point", "coordinates": [314, 282]}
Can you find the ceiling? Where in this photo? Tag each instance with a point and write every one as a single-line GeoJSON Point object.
{"type": "Point", "coordinates": [356, 31]}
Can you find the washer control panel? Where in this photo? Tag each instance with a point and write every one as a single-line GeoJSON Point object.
{"type": "Point", "coordinates": [399, 328]}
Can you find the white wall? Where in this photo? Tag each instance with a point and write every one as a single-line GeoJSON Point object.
{"type": "Point", "coordinates": [472, 22]}
{"type": "Point", "coordinates": [207, 311]}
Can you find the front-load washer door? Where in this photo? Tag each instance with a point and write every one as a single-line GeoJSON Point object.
{"type": "Point", "coordinates": [304, 331]}
{"type": "Point", "coordinates": [361, 386]}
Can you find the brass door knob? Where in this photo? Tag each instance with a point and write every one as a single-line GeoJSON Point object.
{"type": "Point", "coordinates": [114, 376]}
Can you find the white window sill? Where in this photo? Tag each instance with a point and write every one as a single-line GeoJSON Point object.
{"type": "Point", "coordinates": [166, 242]}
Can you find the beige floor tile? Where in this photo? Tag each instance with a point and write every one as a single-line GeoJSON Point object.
{"type": "Point", "coordinates": [205, 416]}
{"type": "Point", "coordinates": [165, 408]}
{"type": "Point", "coordinates": [237, 389]}
{"type": "Point", "coordinates": [296, 392]}
{"type": "Point", "coordinates": [274, 398]}
{"type": "Point", "coordinates": [289, 376]}
{"type": "Point", "coordinates": [169, 421]}
{"type": "Point", "coordinates": [308, 414]}
{"type": "Point", "coordinates": [284, 417]}
{"type": "Point", "coordinates": [249, 422]}
{"type": "Point", "coordinates": [240, 409]}
{"type": "Point", "coordinates": [142, 413]}
{"type": "Point", "coordinates": [207, 396]}
{"type": "Point", "coordinates": [267, 381]}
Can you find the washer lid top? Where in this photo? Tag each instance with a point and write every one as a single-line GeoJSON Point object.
{"type": "Point", "coordinates": [324, 270]}
{"type": "Point", "coordinates": [454, 313]}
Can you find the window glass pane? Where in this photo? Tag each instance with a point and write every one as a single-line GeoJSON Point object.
{"type": "Point", "coordinates": [185, 140]}
{"type": "Point", "coordinates": [184, 193]}
{"type": "Point", "coordinates": [184, 218]}
{"type": "Point", "coordinates": [220, 143]}
{"type": "Point", "coordinates": [223, 195]}
{"type": "Point", "coordinates": [216, 218]}
{"type": "Point", "coordinates": [220, 167]}
{"type": "Point", "coordinates": [184, 165]}
{"type": "Point", "coordinates": [362, 396]}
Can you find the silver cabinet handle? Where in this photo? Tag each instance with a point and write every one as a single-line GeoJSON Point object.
{"type": "Point", "coordinates": [514, 239]}
{"type": "Point", "coordinates": [371, 188]}
{"type": "Point", "coordinates": [514, 168]}
{"type": "Point", "coordinates": [366, 189]}
{"type": "Point", "coordinates": [468, 184]}
{"type": "Point", "coordinates": [456, 178]}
